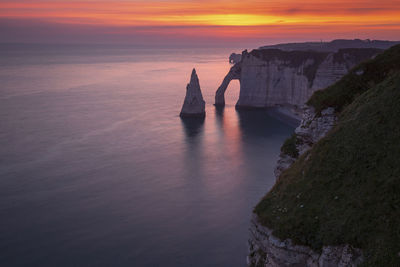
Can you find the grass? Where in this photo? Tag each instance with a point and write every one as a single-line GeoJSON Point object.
{"type": "Point", "coordinates": [356, 54]}
{"type": "Point", "coordinates": [359, 80]}
{"type": "Point", "coordinates": [289, 146]}
{"type": "Point", "coordinates": [346, 189]}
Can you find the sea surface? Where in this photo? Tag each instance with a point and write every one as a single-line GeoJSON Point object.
{"type": "Point", "coordinates": [98, 169]}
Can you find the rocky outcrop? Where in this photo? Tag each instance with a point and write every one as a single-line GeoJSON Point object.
{"type": "Point", "coordinates": [312, 128]}
{"type": "Point", "coordinates": [271, 77]}
{"type": "Point", "coordinates": [267, 250]}
{"type": "Point", "coordinates": [235, 58]}
{"type": "Point", "coordinates": [194, 105]}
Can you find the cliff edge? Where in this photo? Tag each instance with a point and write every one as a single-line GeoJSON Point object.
{"type": "Point", "coordinates": [333, 46]}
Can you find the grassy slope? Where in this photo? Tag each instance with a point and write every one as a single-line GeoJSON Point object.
{"type": "Point", "coordinates": [346, 189]}
{"type": "Point", "coordinates": [342, 93]}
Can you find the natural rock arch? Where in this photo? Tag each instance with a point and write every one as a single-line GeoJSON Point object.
{"type": "Point", "coordinates": [233, 74]}
{"type": "Point", "coordinates": [273, 77]}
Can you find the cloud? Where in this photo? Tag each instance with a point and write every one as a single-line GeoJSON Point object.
{"type": "Point", "coordinates": [138, 21]}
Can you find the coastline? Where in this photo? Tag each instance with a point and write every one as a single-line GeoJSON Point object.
{"type": "Point", "coordinates": [335, 159]}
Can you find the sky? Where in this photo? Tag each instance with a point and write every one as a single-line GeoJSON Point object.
{"type": "Point", "coordinates": [196, 22]}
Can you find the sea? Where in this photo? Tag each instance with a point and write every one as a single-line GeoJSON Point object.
{"type": "Point", "coordinates": [98, 169]}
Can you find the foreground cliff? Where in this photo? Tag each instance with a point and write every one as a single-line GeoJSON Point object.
{"type": "Point", "coordinates": [273, 77]}
{"type": "Point", "coordinates": [336, 201]}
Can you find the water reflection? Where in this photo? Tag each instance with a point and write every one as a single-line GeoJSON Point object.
{"type": "Point", "coordinates": [193, 126]}
{"type": "Point", "coordinates": [251, 123]}
{"type": "Point", "coordinates": [258, 124]}
{"type": "Point", "coordinates": [219, 113]}
{"type": "Point", "coordinates": [193, 157]}
{"type": "Point", "coordinates": [227, 123]}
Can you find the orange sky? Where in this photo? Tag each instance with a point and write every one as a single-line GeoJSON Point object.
{"type": "Point", "coordinates": [216, 18]}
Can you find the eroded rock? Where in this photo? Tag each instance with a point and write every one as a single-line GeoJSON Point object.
{"type": "Point", "coordinates": [194, 104]}
{"type": "Point", "coordinates": [267, 250]}
{"type": "Point", "coordinates": [312, 128]}
{"type": "Point", "coordinates": [274, 77]}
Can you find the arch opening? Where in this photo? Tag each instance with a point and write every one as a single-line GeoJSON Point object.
{"type": "Point", "coordinates": [233, 74]}
{"type": "Point", "coordinates": [232, 93]}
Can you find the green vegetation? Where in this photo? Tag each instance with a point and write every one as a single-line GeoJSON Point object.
{"type": "Point", "coordinates": [360, 79]}
{"type": "Point", "coordinates": [289, 147]}
{"type": "Point", "coordinates": [356, 54]}
{"type": "Point", "coordinates": [346, 189]}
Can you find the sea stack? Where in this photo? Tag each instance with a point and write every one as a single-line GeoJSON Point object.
{"type": "Point", "coordinates": [194, 105]}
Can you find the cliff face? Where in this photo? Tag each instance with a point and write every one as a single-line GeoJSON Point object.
{"type": "Point", "coordinates": [272, 77]}
{"type": "Point", "coordinates": [312, 128]}
{"type": "Point", "coordinates": [267, 250]}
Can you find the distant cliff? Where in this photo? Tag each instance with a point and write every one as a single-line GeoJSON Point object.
{"type": "Point", "coordinates": [333, 46]}
{"type": "Point", "coordinates": [336, 201]}
{"type": "Point", "coordinates": [273, 77]}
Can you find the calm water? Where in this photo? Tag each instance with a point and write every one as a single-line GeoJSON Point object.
{"type": "Point", "coordinates": [97, 169]}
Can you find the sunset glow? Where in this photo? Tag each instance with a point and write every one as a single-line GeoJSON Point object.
{"type": "Point", "coordinates": [220, 18]}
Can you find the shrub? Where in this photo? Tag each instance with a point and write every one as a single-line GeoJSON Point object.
{"type": "Point", "coordinates": [290, 148]}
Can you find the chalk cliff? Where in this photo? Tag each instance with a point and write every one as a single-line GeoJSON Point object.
{"type": "Point", "coordinates": [273, 77]}
{"type": "Point", "coordinates": [233, 74]}
{"type": "Point", "coordinates": [194, 105]}
{"type": "Point", "coordinates": [235, 58]}
{"type": "Point", "coordinates": [312, 128]}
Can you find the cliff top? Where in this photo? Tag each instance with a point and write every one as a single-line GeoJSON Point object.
{"type": "Point", "coordinates": [359, 80]}
{"type": "Point", "coordinates": [334, 45]}
{"type": "Point", "coordinates": [293, 58]}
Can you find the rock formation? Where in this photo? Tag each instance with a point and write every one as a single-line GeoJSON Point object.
{"type": "Point", "coordinates": [267, 250]}
{"type": "Point", "coordinates": [233, 74]}
{"type": "Point", "coordinates": [311, 129]}
{"type": "Point", "coordinates": [271, 77]}
{"type": "Point", "coordinates": [194, 105]}
{"type": "Point", "coordinates": [235, 58]}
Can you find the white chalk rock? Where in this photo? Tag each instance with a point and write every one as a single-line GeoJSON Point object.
{"type": "Point", "coordinates": [194, 105]}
